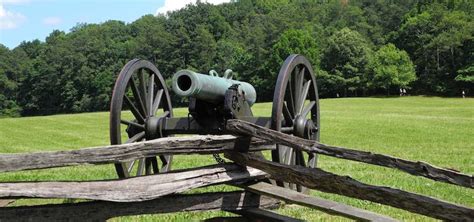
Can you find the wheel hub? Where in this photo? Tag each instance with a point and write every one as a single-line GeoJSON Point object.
{"type": "Point", "coordinates": [153, 128]}
{"type": "Point", "coordinates": [304, 128]}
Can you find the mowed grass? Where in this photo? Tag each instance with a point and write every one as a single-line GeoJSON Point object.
{"type": "Point", "coordinates": [435, 130]}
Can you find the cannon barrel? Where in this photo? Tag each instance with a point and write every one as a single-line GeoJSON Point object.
{"type": "Point", "coordinates": [209, 88]}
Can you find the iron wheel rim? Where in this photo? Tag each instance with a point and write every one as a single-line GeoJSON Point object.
{"type": "Point", "coordinates": [296, 94]}
{"type": "Point", "coordinates": [139, 78]}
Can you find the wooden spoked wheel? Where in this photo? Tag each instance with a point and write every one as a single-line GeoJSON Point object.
{"type": "Point", "coordinates": [140, 98]}
{"type": "Point", "coordinates": [296, 111]}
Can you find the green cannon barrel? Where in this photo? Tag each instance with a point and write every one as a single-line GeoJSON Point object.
{"type": "Point", "coordinates": [209, 88]}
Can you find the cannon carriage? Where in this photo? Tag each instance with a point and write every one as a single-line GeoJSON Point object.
{"type": "Point", "coordinates": [141, 90]}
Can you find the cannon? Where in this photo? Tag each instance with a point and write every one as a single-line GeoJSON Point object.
{"type": "Point", "coordinates": [141, 110]}
{"type": "Point", "coordinates": [210, 87]}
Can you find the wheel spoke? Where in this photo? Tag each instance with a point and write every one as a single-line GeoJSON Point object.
{"type": "Point", "coordinates": [143, 91]}
{"type": "Point", "coordinates": [165, 114]}
{"type": "Point", "coordinates": [289, 156]}
{"type": "Point", "coordinates": [287, 115]}
{"type": "Point", "coordinates": [134, 110]}
{"type": "Point", "coordinates": [303, 96]}
{"type": "Point", "coordinates": [296, 86]}
{"type": "Point", "coordinates": [151, 89]}
{"type": "Point", "coordinates": [299, 158]}
{"type": "Point", "coordinates": [301, 76]}
{"type": "Point", "coordinates": [154, 163]}
{"type": "Point", "coordinates": [299, 89]}
{"type": "Point", "coordinates": [308, 108]}
{"type": "Point", "coordinates": [130, 167]}
{"type": "Point", "coordinates": [138, 98]}
{"type": "Point", "coordinates": [288, 160]}
{"type": "Point", "coordinates": [166, 162]}
{"type": "Point", "coordinates": [136, 137]}
{"type": "Point", "coordinates": [289, 95]}
{"type": "Point", "coordinates": [149, 165]}
{"type": "Point", "coordinates": [141, 166]}
{"type": "Point", "coordinates": [312, 158]}
{"type": "Point", "coordinates": [293, 160]}
{"type": "Point", "coordinates": [163, 159]}
{"type": "Point", "coordinates": [126, 122]}
{"type": "Point", "coordinates": [156, 103]}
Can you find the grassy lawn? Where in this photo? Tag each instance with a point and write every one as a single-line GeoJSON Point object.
{"type": "Point", "coordinates": [436, 130]}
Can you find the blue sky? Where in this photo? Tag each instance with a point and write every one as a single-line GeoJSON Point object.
{"type": "Point", "coordinates": [26, 20]}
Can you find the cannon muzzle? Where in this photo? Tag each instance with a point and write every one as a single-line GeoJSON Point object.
{"type": "Point", "coordinates": [210, 88]}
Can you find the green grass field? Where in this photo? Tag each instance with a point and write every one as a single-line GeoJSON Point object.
{"type": "Point", "coordinates": [436, 130]}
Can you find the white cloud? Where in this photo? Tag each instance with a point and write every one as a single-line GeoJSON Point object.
{"type": "Point", "coordinates": [14, 1]}
{"type": "Point", "coordinates": [9, 19]}
{"type": "Point", "coordinates": [172, 5]}
{"type": "Point", "coordinates": [52, 21]}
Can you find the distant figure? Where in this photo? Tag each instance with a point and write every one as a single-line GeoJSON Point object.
{"type": "Point", "coordinates": [401, 92]}
{"type": "Point", "coordinates": [337, 95]}
{"type": "Point", "coordinates": [404, 92]}
{"type": "Point", "coordinates": [463, 94]}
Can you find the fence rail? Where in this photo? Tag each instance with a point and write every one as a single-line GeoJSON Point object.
{"type": "Point", "coordinates": [157, 188]}
{"type": "Point", "coordinates": [125, 152]}
{"type": "Point", "coordinates": [103, 210]}
{"type": "Point", "coordinates": [133, 189]}
{"type": "Point", "coordinates": [343, 185]}
{"type": "Point", "coordinates": [415, 168]}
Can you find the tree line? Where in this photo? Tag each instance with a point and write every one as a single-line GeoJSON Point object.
{"type": "Point", "coordinates": [358, 48]}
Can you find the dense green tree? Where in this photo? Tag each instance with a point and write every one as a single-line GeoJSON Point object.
{"type": "Point", "coordinates": [151, 40]}
{"type": "Point", "coordinates": [391, 67]}
{"type": "Point", "coordinates": [230, 55]}
{"type": "Point", "coordinates": [436, 38]}
{"type": "Point", "coordinates": [8, 85]}
{"type": "Point", "coordinates": [290, 42]}
{"type": "Point", "coordinates": [255, 36]}
{"type": "Point", "coordinates": [329, 85]}
{"type": "Point", "coordinates": [203, 50]}
{"type": "Point", "coordinates": [295, 42]}
{"type": "Point", "coordinates": [75, 71]}
{"type": "Point", "coordinates": [347, 56]}
{"type": "Point", "coordinates": [466, 75]}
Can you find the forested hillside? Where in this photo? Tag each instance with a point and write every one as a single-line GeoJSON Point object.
{"type": "Point", "coordinates": [364, 47]}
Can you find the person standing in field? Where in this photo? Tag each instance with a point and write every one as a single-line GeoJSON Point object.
{"type": "Point", "coordinates": [463, 94]}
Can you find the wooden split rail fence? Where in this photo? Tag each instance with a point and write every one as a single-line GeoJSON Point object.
{"type": "Point", "coordinates": [160, 193]}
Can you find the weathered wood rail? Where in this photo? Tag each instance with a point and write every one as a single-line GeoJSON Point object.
{"type": "Point", "coordinates": [327, 206]}
{"type": "Point", "coordinates": [125, 152]}
{"type": "Point", "coordinates": [156, 188]}
{"type": "Point", "coordinates": [327, 182]}
{"type": "Point", "coordinates": [136, 188]}
{"type": "Point", "coordinates": [102, 210]}
{"type": "Point", "coordinates": [414, 168]}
